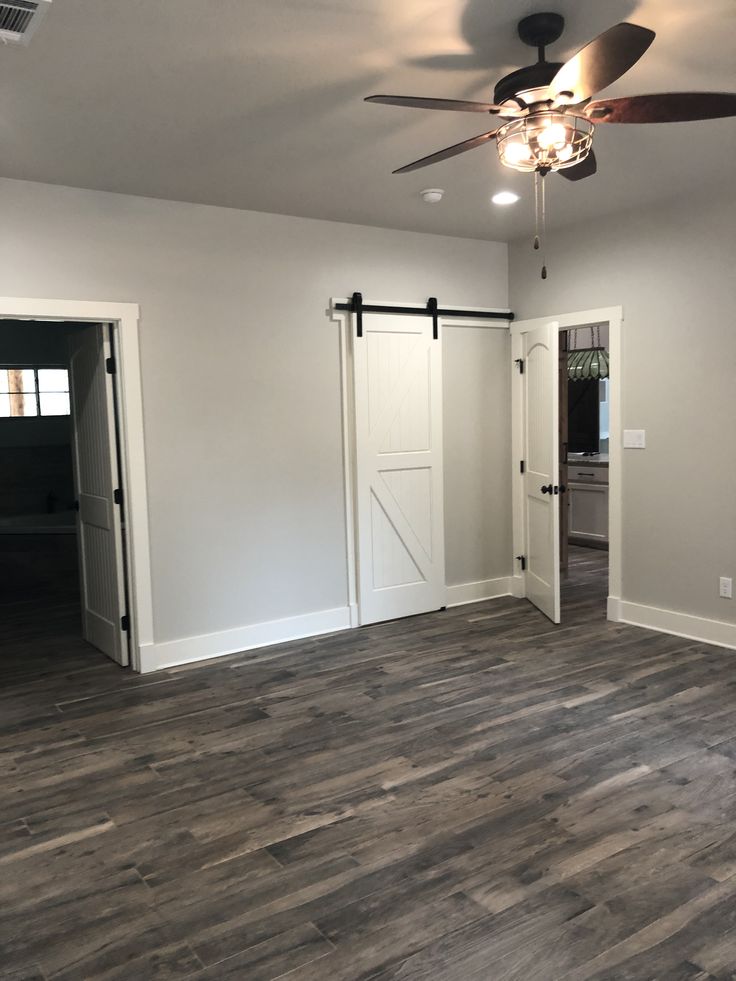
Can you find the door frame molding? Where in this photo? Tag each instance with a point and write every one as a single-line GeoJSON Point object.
{"type": "Point", "coordinates": [613, 317]}
{"type": "Point", "coordinates": [125, 319]}
{"type": "Point", "coordinates": [346, 324]}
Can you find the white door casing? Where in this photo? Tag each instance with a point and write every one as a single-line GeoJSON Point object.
{"type": "Point", "coordinates": [399, 482]}
{"type": "Point", "coordinates": [540, 438]}
{"type": "Point", "coordinates": [99, 519]}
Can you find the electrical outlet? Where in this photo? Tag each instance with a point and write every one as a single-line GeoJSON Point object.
{"type": "Point", "coordinates": [726, 588]}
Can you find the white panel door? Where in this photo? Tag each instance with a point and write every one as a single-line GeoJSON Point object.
{"type": "Point", "coordinates": [99, 521]}
{"type": "Point", "coordinates": [398, 421]}
{"type": "Point", "coordinates": [540, 404]}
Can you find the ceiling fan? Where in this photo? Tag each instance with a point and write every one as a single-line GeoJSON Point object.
{"type": "Point", "coordinates": [546, 108]}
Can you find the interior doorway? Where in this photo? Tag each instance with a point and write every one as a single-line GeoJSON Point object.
{"type": "Point", "coordinates": [566, 440]}
{"type": "Point", "coordinates": [62, 532]}
{"type": "Point", "coordinates": [99, 498]}
{"type": "Point", "coordinates": [584, 427]}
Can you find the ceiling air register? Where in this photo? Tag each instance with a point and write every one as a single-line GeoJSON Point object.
{"type": "Point", "coordinates": [19, 19]}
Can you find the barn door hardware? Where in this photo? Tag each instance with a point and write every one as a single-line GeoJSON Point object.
{"type": "Point", "coordinates": [357, 306]}
{"type": "Point", "coordinates": [432, 312]}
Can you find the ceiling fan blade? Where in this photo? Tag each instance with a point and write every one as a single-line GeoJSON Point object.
{"type": "Point", "coordinates": [454, 105]}
{"type": "Point", "coordinates": [586, 168]}
{"type": "Point", "coordinates": [450, 151]}
{"type": "Point", "coordinates": [602, 61]}
{"type": "Point", "coordinates": [666, 107]}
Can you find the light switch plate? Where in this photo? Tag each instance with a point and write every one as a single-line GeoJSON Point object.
{"type": "Point", "coordinates": [635, 439]}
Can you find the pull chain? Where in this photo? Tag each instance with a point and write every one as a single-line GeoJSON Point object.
{"type": "Point", "coordinates": [540, 218]}
{"type": "Point", "coordinates": [544, 231]}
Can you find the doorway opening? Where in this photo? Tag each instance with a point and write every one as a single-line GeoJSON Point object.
{"type": "Point", "coordinates": [553, 466]}
{"type": "Point", "coordinates": [584, 436]}
{"type": "Point", "coordinates": [96, 348]}
{"type": "Point", "coordinates": [62, 529]}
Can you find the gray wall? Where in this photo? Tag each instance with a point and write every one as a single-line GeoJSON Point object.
{"type": "Point", "coordinates": [241, 381]}
{"type": "Point", "coordinates": [672, 271]}
{"type": "Point", "coordinates": [477, 453]}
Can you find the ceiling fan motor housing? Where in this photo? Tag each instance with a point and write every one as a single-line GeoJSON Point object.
{"type": "Point", "coordinates": [538, 31]}
{"type": "Point", "coordinates": [525, 79]}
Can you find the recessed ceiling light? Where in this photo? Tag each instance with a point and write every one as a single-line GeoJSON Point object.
{"type": "Point", "coordinates": [505, 197]}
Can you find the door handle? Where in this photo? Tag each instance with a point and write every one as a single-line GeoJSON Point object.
{"type": "Point", "coordinates": [546, 488]}
{"type": "Point", "coordinates": [563, 488]}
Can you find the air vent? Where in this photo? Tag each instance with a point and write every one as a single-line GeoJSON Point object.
{"type": "Point", "coordinates": [20, 18]}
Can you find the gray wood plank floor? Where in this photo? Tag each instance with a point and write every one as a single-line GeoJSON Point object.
{"type": "Point", "coordinates": [471, 794]}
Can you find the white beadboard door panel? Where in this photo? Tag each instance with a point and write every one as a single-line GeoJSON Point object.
{"type": "Point", "coordinates": [541, 457]}
{"type": "Point", "coordinates": [399, 483]}
{"type": "Point", "coordinates": [99, 523]}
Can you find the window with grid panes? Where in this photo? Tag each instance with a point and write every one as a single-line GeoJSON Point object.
{"type": "Point", "coordinates": [29, 391]}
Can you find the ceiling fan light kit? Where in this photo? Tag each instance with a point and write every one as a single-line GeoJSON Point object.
{"type": "Point", "coordinates": [544, 141]}
{"type": "Point", "coordinates": [546, 109]}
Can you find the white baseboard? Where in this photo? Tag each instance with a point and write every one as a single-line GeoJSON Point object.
{"type": "Point", "coordinates": [474, 592]}
{"type": "Point", "coordinates": [613, 608]}
{"type": "Point", "coordinates": [153, 657]}
{"type": "Point", "coordinates": [716, 632]}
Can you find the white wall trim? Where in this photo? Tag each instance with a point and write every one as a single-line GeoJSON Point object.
{"type": "Point", "coordinates": [124, 318]}
{"type": "Point", "coordinates": [518, 586]}
{"type": "Point", "coordinates": [205, 646]}
{"type": "Point", "coordinates": [344, 321]}
{"type": "Point", "coordinates": [474, 592]}
{"type": "Point", "coordinates": [716, 632]}
{"type": "Point", "coordinates": [613, 316]}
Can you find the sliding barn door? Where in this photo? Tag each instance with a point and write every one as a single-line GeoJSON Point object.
{"type": "Point", "coordinates": [398, 419]}
{"type": "Point", "coordinates": [99, 525]}
{"type": "Point", "coordinates": [540, 437]}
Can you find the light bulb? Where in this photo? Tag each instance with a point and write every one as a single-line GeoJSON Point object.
{"type": "Point", "coordinates": [565, 153]}
{"type": "Point", "coordinates": [554, 135]}
{"type": "Point", "coordinates": [516, 153]}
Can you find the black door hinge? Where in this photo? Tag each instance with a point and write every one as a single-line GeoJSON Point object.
{"type": "Point", "coordinates": [521, 466]}
{"type": "Point", "coordinates": [110, 366]}
{"type": "Point", "coordinates": [520, 362]}
{"type": "Point", "coordinates": [75, 505]}
{"type": "Point", "coordinates": [117, 496]}
{"type": "Point", "coordinates": [522, 559]}
{"type": "Point", "coordinates": [125, 623]}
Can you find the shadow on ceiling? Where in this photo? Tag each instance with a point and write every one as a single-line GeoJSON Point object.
{"type": "Point", "coordinates": [489, 29]}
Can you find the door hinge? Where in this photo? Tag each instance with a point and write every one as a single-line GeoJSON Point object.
{"type": "Point", "coordinates": [520, 362]}
{"type": "Point", "coordinates": [521, 466]}
{"type": "Point", "coordinates": [117, 496]}
{"type": "Point", "coordinates": [522, 559]}
{"type": "Point", "coordinates": [110, 366]}
{"type": "Point", "coordinates": [75, 505]}
{"type": "Point", "coordinates": [125, 623]}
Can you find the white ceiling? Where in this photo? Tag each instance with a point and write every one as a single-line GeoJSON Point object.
{"type": "Point", "coordinates": [258, 104]}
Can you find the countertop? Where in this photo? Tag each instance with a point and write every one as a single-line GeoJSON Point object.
{"type": "Point", "coordinates": [599, 460]}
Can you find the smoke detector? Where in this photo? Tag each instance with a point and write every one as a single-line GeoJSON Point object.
{"type": "Point", "coordinates": [19, 19]}
{"type": "Point", "coordinates": [432, 195]}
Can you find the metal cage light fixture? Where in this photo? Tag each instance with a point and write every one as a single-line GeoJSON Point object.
{"type": "Point", "coordinates": [544, 141]}
{"type": "Point", "coordinates": [589, 363]}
